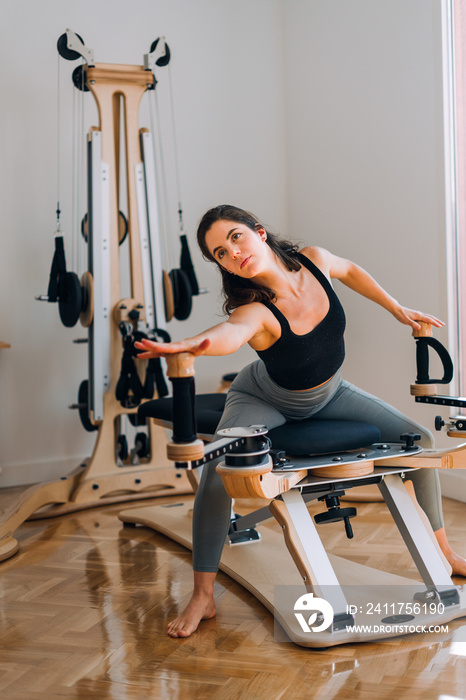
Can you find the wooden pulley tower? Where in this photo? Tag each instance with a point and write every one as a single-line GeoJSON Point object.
{"type": "Point", "coordinates": [117, 382]}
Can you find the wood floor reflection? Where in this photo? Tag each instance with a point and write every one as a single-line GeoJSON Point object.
{"type": "Point", "coordinates": [85, 605]}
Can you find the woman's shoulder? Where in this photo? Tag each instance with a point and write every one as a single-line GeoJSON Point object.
{"type": "Point", "coordinates": [253, 308]}
{"type": "Point", "coordinates": [260, 321]}
{"type": "Point", "coordinates": [319, 256]}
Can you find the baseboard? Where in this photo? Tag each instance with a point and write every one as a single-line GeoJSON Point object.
{"type": "Point", "coordinates": [34, 472]}
{"type": "Point", "coordinates": [454, 484]}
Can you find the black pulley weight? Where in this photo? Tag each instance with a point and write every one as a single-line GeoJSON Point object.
{"type": "Point", "coordinates": [182, 294]}
{"type": "Point", "coordinates": [70, 298]}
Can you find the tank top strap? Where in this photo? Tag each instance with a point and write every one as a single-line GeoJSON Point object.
{"type": "Point", "coordinates": [283, 321]}
{"type": "Point", "coordinates": [318, 274]}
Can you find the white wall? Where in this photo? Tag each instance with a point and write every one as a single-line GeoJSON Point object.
{"type": "Point", "coordinates": [324, 118]}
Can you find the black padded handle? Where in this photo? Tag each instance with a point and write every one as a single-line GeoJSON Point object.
{"type": "Point", "coordinates": [184, 415]}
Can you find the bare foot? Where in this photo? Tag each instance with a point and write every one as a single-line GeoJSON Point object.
{"type": "Point", "coordinates": [200, 607]}
{"type": "Point", "coordinates": [457, 563]}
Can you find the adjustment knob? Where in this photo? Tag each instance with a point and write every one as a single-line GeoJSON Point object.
{"type": "Point", "coordinates": [439, 423]}
{"type": "Point", "coordinates": [409, 439]}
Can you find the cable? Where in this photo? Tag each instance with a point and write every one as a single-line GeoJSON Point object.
{"type": "Point", "coordinates": [175, 149]}
{"type": "Point", "coordinates": [58, 212]}
{"type": "Point", "coordinates": [167, 243]}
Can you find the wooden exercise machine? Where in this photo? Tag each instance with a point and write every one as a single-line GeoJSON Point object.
{"type": "Point", "coordinates": [109, 398]}
{"type": "Point", "coordinates": [366, 604]}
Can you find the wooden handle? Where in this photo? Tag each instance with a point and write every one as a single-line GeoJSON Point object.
{"type": "Point", "coordinates": [180, 365]}
{"type": "Point", "coordinates": [425, 331]}
{"type": "Point", "coordinates": [185, 451]}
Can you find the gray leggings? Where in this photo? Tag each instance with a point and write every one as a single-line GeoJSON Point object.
{"type": "Point", "coordinates": [254, 398]}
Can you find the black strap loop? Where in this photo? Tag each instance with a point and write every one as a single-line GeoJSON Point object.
{"type": "Point", "coordinates": [129, 390]}
{"type": "Point", "coordinates": [422, 361]}
{"type": "Point", "coordinates": [155, 379]}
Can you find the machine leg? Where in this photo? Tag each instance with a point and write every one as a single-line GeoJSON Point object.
{"type": "Point", "coordinates": [417, 539]}
{"type": "Point", "coordinates": [308, 548]}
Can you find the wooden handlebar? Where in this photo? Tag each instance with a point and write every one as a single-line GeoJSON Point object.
{"type": "Point", "coordinates": [180, 365]}
{"type": "Point", "coordinates": [425, 331]}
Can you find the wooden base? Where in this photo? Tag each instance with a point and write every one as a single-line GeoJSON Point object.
{"type": "Point", "coordinates": [262, 566]}
{"type": "Point", "coordinates": [344, 471]}
{"type": "Point", "coordinates": [78, 491]}
{"type": "Point", "coordinates": [423, 389]}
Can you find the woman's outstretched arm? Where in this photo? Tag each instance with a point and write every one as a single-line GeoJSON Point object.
{"type": "Point", "coordinates": [223, 339]}
{"type": "Point", "coordinates": [358, 279]}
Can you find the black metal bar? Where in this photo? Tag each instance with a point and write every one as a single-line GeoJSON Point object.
{"type": "Point", "coordinates": [218, 449]}
{"type": "Point", "coordinates": [438, 400]}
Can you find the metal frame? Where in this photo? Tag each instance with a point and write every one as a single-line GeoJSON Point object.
{"type": "Point", "coordinates": [99, 260]}
{"type": "Point", "coordinates": [150, 236]}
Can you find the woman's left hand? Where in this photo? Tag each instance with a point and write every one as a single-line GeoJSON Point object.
{"type": "Point", "coordinates": [410, 317]}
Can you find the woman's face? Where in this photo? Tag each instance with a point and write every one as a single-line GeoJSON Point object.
{"type": "Point", "coordinates": [237, 248]}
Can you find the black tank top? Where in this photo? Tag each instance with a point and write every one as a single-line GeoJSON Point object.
{"type": "Point", "coordinates": [306, 361]}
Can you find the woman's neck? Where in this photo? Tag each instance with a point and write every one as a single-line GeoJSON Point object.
{"type": "Point", "coordinates": [285, 283]}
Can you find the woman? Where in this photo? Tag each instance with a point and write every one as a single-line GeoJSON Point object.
{"type": "Point", "coordinates": [281, 302]}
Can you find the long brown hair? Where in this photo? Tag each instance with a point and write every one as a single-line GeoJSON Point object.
{"type": "Point", "coordinates": [238, 290]}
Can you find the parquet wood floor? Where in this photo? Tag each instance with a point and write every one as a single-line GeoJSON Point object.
{"type": "Point", "coordinates": [85, 603]}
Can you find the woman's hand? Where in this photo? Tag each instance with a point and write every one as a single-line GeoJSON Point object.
{"type": "Point", "coordinates": [152, 349]}
{"type": "Point", "coordinates": [411, 318]}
